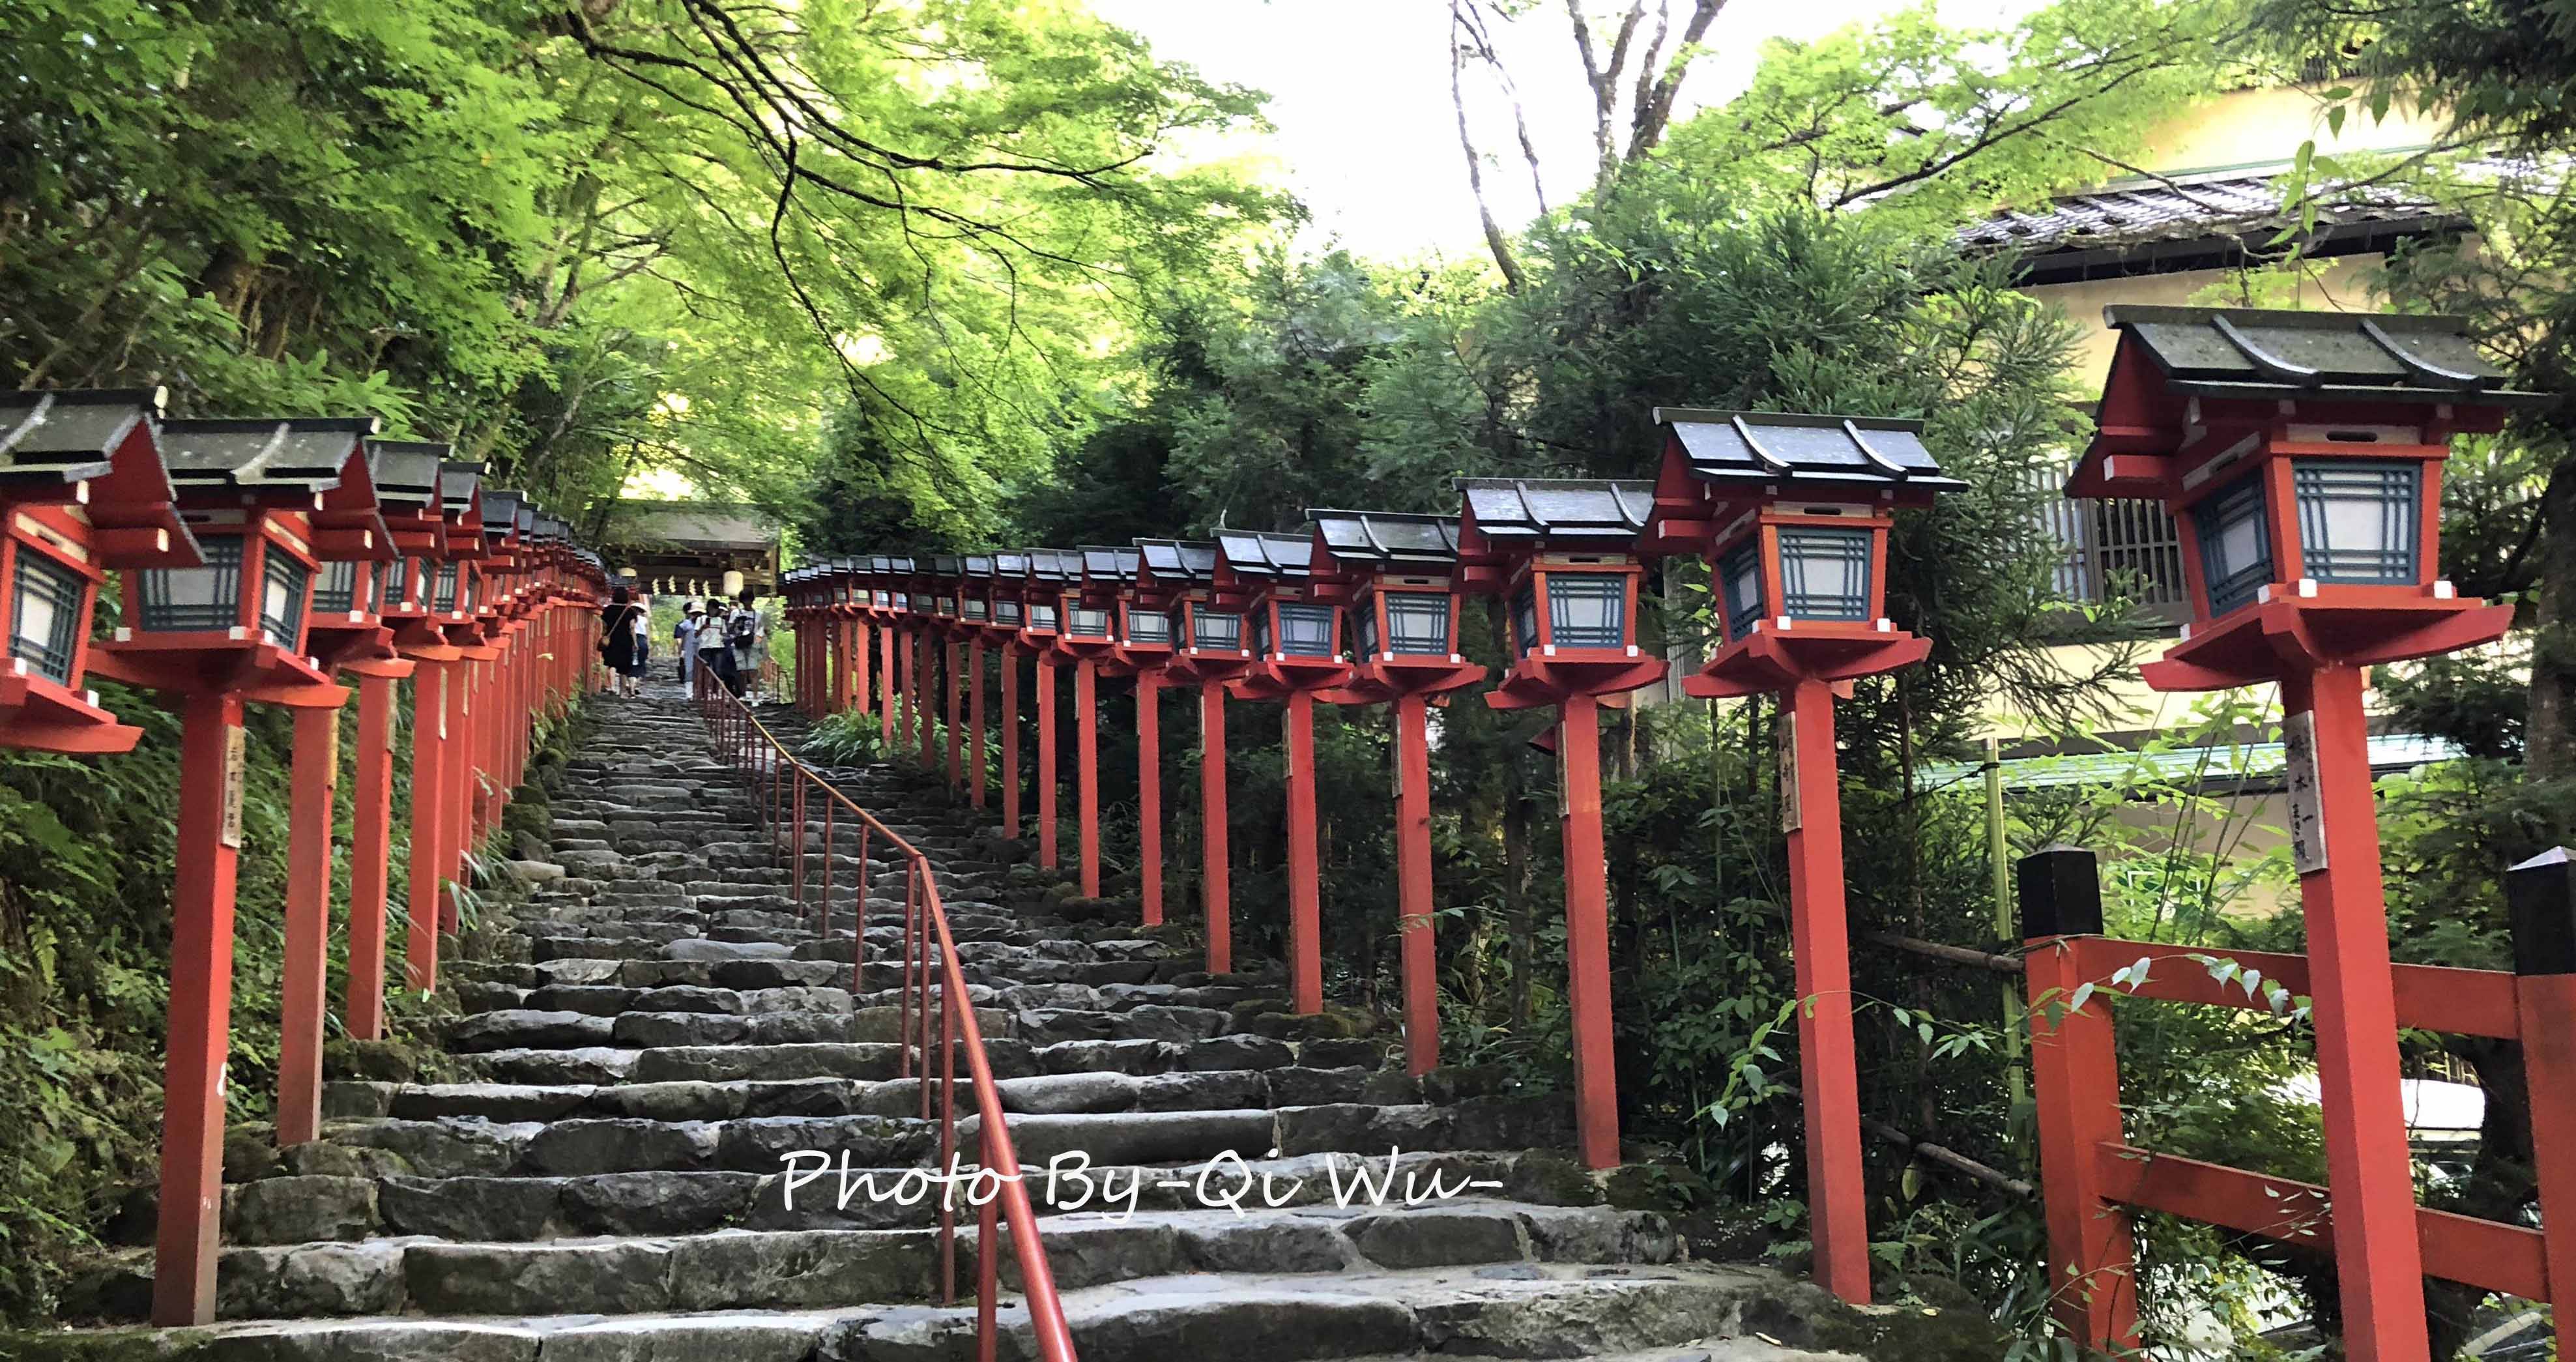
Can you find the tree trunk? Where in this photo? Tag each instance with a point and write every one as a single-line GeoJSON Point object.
{"type": "Point", "coordinates": [2550, 745]}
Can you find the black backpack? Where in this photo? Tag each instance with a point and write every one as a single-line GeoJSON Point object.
{"type": "Point", "coordinates": [743, 629]}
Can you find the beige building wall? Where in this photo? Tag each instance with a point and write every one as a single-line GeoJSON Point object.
{"type": "Point", "coordinates": [2253, 128]}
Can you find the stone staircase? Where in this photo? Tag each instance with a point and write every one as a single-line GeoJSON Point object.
{"type": "Point", "coordinates": [663, 1033]}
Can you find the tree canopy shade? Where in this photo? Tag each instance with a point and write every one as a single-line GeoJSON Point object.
{"type": "Point", "coordinates": [591, 240]}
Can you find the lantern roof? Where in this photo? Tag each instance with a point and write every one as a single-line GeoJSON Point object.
{"type": "Point", "coordinates": [407, 472]}
{"type": "Point", "coordinates": [979, 565]}
{"type": "Point", "coordinates": [501, 512]}
{"type": "Point", "coordinates": [1528, 514]}
{"type": "Point", "coordinates": [1265, 556]}
{"type": "Point", "coordinates": [349, 521]}
{"type": "Point", "coordinates": [947, 565]}
{"type": "Point", "coordinates": [459, 483]}
{"type": "Point", "coordinates": [1054, 565]}
{"type": "Point", "coordinates": [2244, 352]}
{"type": "Point", "coordinates": [1736, 448]}
{"type": "Point", "coordinates": [63, 437]}
{"type": "Point", "coordinates": [1385, 539]}
{"type": "Point", "coordinates": [294, 458]}
{"type": "Point", "coordinates": [1178, 560]}
{"type": "Point", "coordinates": [1109, 563]}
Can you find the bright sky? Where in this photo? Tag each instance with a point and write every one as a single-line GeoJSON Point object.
{"type": "Point", "coordinates": [1360, 94]}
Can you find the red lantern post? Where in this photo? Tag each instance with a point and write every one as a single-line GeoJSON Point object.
{"type": "Point", "coordinates": [975, 615]}
{"type": "Point", "coordinates": [1792, 512]}
{"type": "Point", "coordinates": [1010, 612]}
{"type": "Point", "coordinates": [1208, 650]}
{"type": "Point", "coordinates": [948, 577]}
{"type": "Point", "coordinates": [1042, 593]}
{"type": "Point", "coordinates": [1562, 554]}
{"type": "Point", "coordinates": [411, 481]}
{"type": "Point", "coordinates": [1395, 575]}
{"type": "Point", "coordinates": [352, 540]}
{"type": "Point", "coordinates": [83, 490]}
{"type": "Point", "coordinates": [2301, 456]}
{"type": "Point", "coordinates": [1088, 633]}
{"type": "Point", "coordinates": [214, 636]}
{"type": "Point", "coordinates": [1144, 632]}
{"type": "Point", "coordinates": [1296, 647]}
{"type": "Point", "coordinates": [876, 587]}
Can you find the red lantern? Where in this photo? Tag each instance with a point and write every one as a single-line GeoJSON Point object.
{"type": "Point", "coordinates": [1208, 650]}
{"type": "Point", "coordinates": [2300, 455]}
{"type": "Point", "coordinates": [1397, 574]}
{"type": "Point", "coordinates": [1563, 555]}
{"type": "Point", "coordinates": [1793, 514]}
{"type": "Point", "coordinates": [83, 490]}
{"type": "Point", "coordinates": [1296, 647]}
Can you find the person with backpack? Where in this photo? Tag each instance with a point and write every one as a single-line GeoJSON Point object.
{"type": "Point", "coordinates": [747, 637]}
{"type": "Point", "coordinates": [715, 659]}
{"type": "Point", "coordinates": [685, 634]}
{"type": "Point", "coordinates": [617, 638]}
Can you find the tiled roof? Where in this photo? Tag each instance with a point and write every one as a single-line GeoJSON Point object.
{"type": "Point", "coordinates": [1388, 536]}
{"type": "Point", "coordinates": [1748, 446]}
{"type": "Point", "coordinates": [1557, 510]}
{"type": "Point", "coordinates": [1254, 554]}
{"type": "Point", "coordinates": [2176, 208]}
{"type": "Point", "coordinates": [64, 437]}
{"type": "Point", "coordinates": [691, 524]}
{"type": "Point", "coordinates": [2225, 352]}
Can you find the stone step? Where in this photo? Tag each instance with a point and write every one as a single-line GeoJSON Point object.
{"type": "Point", "coordinates": [791, 1269]}
{"type": "Point", "coordinates": [307, 1208]}
{"type": "Point", "coordinates": [1674, 1313]}
{"type": "Point", "coordinates": [1081, 1091]}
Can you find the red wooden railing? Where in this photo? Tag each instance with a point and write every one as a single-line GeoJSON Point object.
{"type": "Point", "coordinates": [2094, 1177]}
{"type": "Point", "coordinates": [933, 988]}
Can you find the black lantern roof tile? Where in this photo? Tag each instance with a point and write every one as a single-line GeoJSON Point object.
{"type": "Point", "coordinates": [407, 471]}
{"type": "Point", "coordinates": [898, 565]}
{"type": "Point", "coordinates": [64, 437]}
{"type": "Point", "coordinates": [1558, 510]}
{"type": "Point", "coordinates": [1256, 554]}
{"type": "Point", "coordinates": [2238, 352]}
{"type": "Point", "coordinates": [947, 565]}
{"type": "Point", "coordinates": [979, 565]}
{"type": "Point", "coordinates": [527, 518]}
{"type": "Point", "coordinates": [458, 481]}
{"type": "Point", "coordinates": [1179, 560]}
{"type": "Point", "coordinates": [1391, 537]}
{"type": "Point", "coordinates": [1774, 447]}
{"type": "Point", "coordinates": [501, 512]}
{"type": "Point", "coordinates": [1010, 565]}
{"type": "Point", "coordinates": [1110, 563]}
{"type": "Point", "coordinates": [1054, 565]}
{"type": "Point", "coordinates": [301, 454]}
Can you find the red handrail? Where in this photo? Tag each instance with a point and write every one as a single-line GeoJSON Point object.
{"type": "Point", "coordinates": [780, 782]}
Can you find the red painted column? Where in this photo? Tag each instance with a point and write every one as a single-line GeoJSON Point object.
{"type": "Point", "coordinates": [2369, 1171]}
{"type": "Point", "coordinates": [1216, 890]}
{"type": "Point", "coordinates": [1149, 794]}
{"type": "Point", "coordinates": [1046, 760]}
{"type": "Point", "coordinates": [1010, 739]}
{"type": "Point", "coordinates": [1086, 718]}
{"type": "Point", "coordinates": [925, 699]}
{"type": "Point", "coordinates": [860, 697]}
{"type": "Point", "coordinates": [457, 788]}
{"type": "Point", "coordinates": [1838, 1218]}
{"type": "Point", "coordinates": [1587, 933]}
{"type": "Point", "coordinates": [313, 779]}
{"type": "Point", "coordinates": [910, 659]}
{"type": "Point", "coordinates": [2075, 1075]}
{"type": "Point", "coordinates": [886, 686]}
{"type": "Point", "coordinates": [428, 778]}
{"type": "Point", "coordinates": [200, 1019]}
{"type": "Point", "coordinates": [1413, 885]}
{"type": "Point", "coordinates": [370, 858]}
{"type": "Point", "coordinates": [1305, 894]}
{"type": "Point", "coordinates": [975, 777]}
{"type": "Point", "coordinates": [956, 718]}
